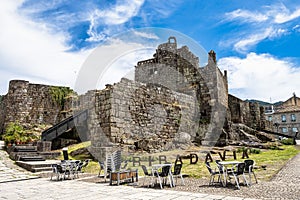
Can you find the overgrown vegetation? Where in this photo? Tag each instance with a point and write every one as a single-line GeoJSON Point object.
{"type": "Point", "coordinates": [255, 151]}
{"type": "Point", "coordinates": [15, 132]}
{"type": "Point", "coordinates": [287, 141]}
{"type": "Point", "coordinates": [60, 94]}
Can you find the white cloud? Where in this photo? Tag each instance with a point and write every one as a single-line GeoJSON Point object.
{"type": "Point", "coordinates": [278, 33]}
{"type": "Point", "coordinates": [162, 8]}
{"type": "Point", "coordinates": [124, 66]}
{"type": "Point", "coordinates": [246, 15]}
{"type": "Point", "coordinates": [29, 52]}
{"type": "Point", "coordinates": [266, 24]}
{"type": "Point", "coordinates": [284, 15]}
{"type": "Point", "coordinates": [122, 12]}
{"type": "Point", "coordinates": [261, 77]}
{"type": "Point", "coordinates": [277, 13]}
{"type": "Point", "coordinates": [112, 17]}
{"type": "Point", "coordinates": [146, 35]}
{"type": "Point", "coordinates": [108, 63]}
{"type": "Point", "coordinates": [296, 28]}
{"type": "Point", "coordinates": [244, 44]}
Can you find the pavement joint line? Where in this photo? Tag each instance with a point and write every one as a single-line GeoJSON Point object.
{"type": "Point", "coordinates": [16, 180]}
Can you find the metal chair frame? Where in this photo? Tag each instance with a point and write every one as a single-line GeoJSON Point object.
{"type": "Point", "coordinates": [177, 173]}
{"type": "Point", "coordinates": [213, 173]}
{"type": "Point", "coordinates": [249, 165]}
{"type": "Point", "coordinates": [146, 174]}
{"type": "Point", "coordinates": [236, 171]}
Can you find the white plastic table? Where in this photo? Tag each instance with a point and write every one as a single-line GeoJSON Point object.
{"type": "Point", "coordinates": [227, 164]}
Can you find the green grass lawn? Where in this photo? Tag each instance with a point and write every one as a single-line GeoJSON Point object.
{"type": "Point", "coordinates": [274, 160]}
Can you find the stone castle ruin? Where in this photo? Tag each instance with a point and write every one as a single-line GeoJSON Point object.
{"type": "Point", "coordinates": [172, 103]}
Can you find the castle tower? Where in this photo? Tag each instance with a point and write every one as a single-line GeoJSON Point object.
{"type": "Point", "coordinates": [172, 67]}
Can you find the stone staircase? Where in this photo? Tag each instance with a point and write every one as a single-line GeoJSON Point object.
{"type": "Point", "coordinates": [30, 158]}
{"type": "Point", "coordinates": [25, 153]}
{"type": "Point", "coordinates": [38, 166]}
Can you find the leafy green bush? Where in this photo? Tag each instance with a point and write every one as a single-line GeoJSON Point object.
{"type": "Point", "coordinates": [14, 132]}
{"type": "Point", "coordinates": [287, 141]}
{"type": "Point", "coordinates": [241, 149]}
{"type": "Point", "coordinates": [255, 151]}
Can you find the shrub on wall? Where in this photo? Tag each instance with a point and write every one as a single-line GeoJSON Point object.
{"type": "Point", "coordinates": [13, 132]}
{"type": "Point", "coordinates": [59, 94]}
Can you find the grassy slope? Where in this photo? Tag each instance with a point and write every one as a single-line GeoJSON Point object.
{"type": "Point", "coordinates": [273, 159]}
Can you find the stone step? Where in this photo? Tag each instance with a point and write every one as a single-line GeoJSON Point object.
{"type": "Point", "coordinates": [31, 158]}
{"type": "Point", "coordinates": [17, 155]}
{"type": "Point", "coordinates": [42, 169]}
{"type": "Point", "coordinates": [31, 165]}
{"type": "Point", "coordinates": [25, 149]}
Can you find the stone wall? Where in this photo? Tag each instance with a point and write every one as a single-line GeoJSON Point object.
{"type": "Point", "coordinates": [178, 69]}
{"type": "Point", "coordinates": [171, 98]}
{"type": "Point", "coordinates": [215, 99]}
{"type": "Point", "coordinates": [142, 117]}
{"type": "Point", "coordinates": [29, 104]}
{"type": "Point", "coordinates": [248, 113]}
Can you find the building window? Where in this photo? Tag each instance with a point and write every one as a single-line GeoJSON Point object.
{"type": "Point", "coordinates": [153, 71]}
{"type": "Point", "coordinates": [284, 129]}
{"type": "Point", "coordinates": [283, 118]}
{"type": "Point", "coordinates": [293, 117]}
{"type": "Point", "coordinates": [270, 118]}
{"type": "Point", "coordinates": [295, 129]}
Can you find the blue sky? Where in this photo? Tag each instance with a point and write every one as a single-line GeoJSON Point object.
{"type": "Point", "coordinates": [258, 42]}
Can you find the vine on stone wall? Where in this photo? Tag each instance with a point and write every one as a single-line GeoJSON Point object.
{"type": "Point", "coordinates": [59, 94]}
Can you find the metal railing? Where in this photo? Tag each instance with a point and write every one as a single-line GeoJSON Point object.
{"type": "Point", "coordinates": [61, 127]}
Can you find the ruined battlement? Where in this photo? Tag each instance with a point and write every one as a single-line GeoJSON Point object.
{"type": "Point", "coordinates": [30, 104]}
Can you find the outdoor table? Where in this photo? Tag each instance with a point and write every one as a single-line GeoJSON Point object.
{"type": "Point", "coordinates": [157, 167]}
{"type": "Point", "coordinates": [227, 164]}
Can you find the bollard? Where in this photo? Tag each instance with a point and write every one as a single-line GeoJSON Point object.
{"type": "Point", "coordinates": [65, 153]}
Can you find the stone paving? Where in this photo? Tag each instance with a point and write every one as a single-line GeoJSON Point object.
{"type": "Point", "coordinates": [283, 186]}
{"type": "Point", "coordinates": [11, 172]}
{"type": "Point", "coordinates": [74, 189]}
